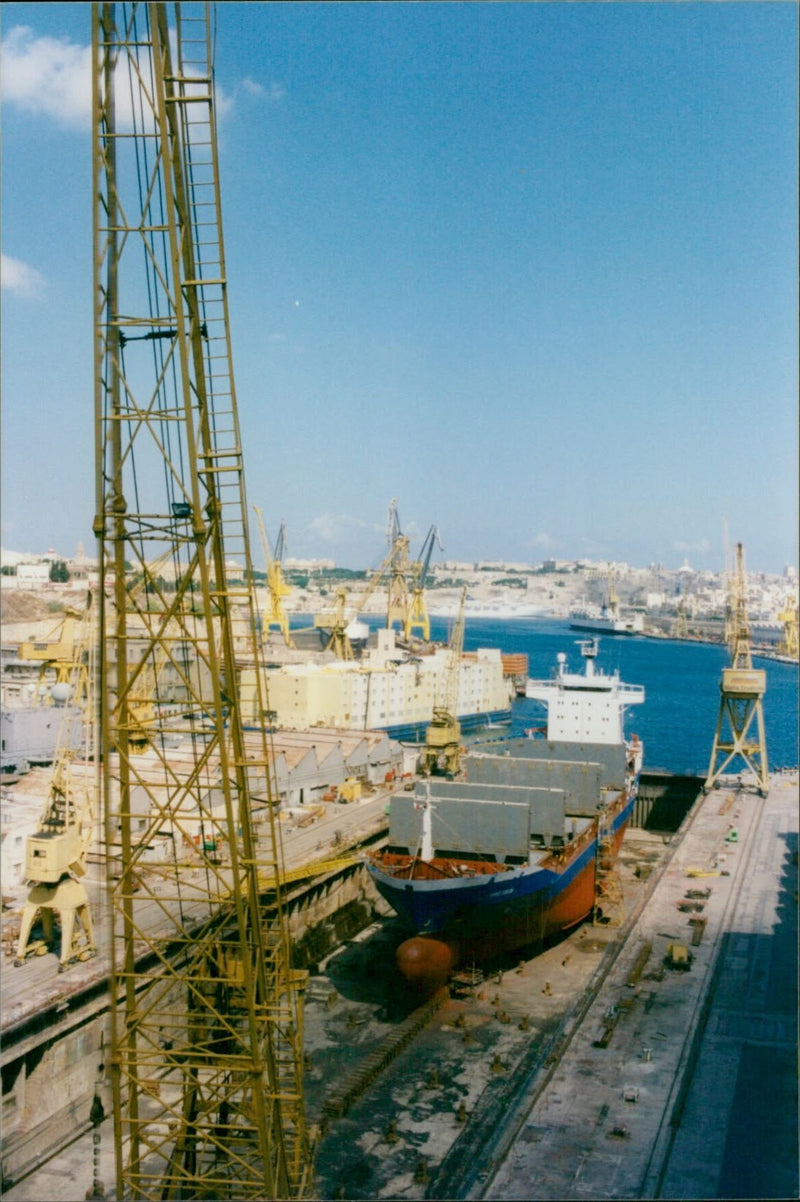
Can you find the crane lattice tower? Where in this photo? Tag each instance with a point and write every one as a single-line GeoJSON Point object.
{"type": "Point", "coordinates": [742, 689]}
{"type": "Point", "coordinates": [416, 617]}
{"type": "Point", "coordinates": [399, 568]}
{"type": "Point", "coordinates": [206, 1060]}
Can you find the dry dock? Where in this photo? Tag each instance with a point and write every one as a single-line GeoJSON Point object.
{"type": "Point", "coordinates": [590, 1071]}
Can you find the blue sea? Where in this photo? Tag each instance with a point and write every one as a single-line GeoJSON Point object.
{"type": "Point", "coordinates": [681, 681]}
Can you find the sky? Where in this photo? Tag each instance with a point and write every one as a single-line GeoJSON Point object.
{"type": "Point", "coordinates": [530, 269]}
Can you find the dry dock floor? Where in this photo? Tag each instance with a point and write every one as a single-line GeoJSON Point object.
{"type": "Point", "coordinates": [505, 1094]}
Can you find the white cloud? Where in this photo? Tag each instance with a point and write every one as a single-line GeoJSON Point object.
{"type": "Point", "coordinates": [702, 545]}
{"type": "Point", "coordinates": [52, 77]}
{"type": "Point", "coordinates": [19, 278]}
{"type": "Point", "coordinates": [542, 540]}
{"type": "Point", "coordinates": [273, 93]}
{"type": "Point", "coordinates": [335, 527]}
{"type": "Point", "coordinates": [48, 76]}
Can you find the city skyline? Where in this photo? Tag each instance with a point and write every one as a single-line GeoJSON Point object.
{"type": "Point", "coordinates": [528, 268]}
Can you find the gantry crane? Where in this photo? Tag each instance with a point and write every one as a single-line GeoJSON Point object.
{"type": "Point", "coordinates": [443, 736]}
{"type": "Point", "coordinates": [742, 689]}
{"type": "Point", "coordinates": [55, 856]}
{"type": "Point", "coordinates": [206, 1056]}
{"type": "Point", "coordinates": [417, 612]}
{"type": "Point", "coordinates": [275, 614]}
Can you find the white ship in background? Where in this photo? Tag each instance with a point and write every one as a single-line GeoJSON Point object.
{"type": "Point", "coordinates": [606, 618]}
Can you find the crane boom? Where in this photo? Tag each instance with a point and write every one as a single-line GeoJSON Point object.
{"type": "Point", "coordinates": [205, 1058]}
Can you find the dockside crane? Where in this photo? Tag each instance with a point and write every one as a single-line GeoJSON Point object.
{"type": "Point", "coordinates": [742, 689]}
{"type": "Point", "coordinates": [398, 567]}
{"type": "Point", "coordinates": [788, 617]}
{"type": "Point", "coordinates": [442, 752]}
{"type": "Point", "coordinates": [56, 654]}
{"type": "Point", "coordinates": [275, 614]}
{"type": "Point", "coordinates": [55, 855]}
{"type": "Point", "coordinates": [205, 1008]}
{"type": "Point", "coordinates": [416, 618]}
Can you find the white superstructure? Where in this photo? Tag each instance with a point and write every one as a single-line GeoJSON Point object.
{"type": "Point", "coordinates": [588, 707]}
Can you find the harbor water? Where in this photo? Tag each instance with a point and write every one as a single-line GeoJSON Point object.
{"type": "Point", "coordinates": [681, 682]}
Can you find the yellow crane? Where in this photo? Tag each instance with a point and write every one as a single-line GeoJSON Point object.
{"type": "Point", "coordinates": [55, 856]}
{"type": "Point", "coordinates": [337, 622]}
{"type": "Point", "coordinates": [680, 628]}
{"type": "Point", "coordinates": [55, 653]}
{"type": "Point", "coordinates": [398, 567]}
{"type": "Point", "coordinates": [443, 736]}
{"type": "Point", "coordinates": [742, 689]}
{"type": "Point", "coordinates": [788, 616]}
{"type": "Point", "coordinates": [349, 606]}
{"type": "Point", "coordinates": [416, 618]}
{"type": "Point", "coordinates": [275, 614]}
{"type": "Point", "coordinates": [205, 1007]}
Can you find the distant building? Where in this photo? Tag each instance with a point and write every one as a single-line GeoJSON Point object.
{"type": "Point", "coordinates": [559, 565]}
{"type": "Point", "coordinates": [31, 575]}
{"type": "Point", "coordinates": [309, 565]}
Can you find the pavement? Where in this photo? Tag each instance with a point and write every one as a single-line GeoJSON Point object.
{"type": "Point", "coordinates": [695, 1094]}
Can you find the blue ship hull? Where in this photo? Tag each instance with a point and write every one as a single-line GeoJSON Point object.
{"type": "Point", "coordinates": [511, 908]}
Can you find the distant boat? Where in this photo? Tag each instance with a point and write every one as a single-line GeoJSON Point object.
{"type": "Point", "coordinates": [604, 622]}
{"type": "Point", "coordinates": [607, 618]}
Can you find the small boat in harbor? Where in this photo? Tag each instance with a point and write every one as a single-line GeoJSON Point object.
{"type": "Point", "coordinates": [504, 855]}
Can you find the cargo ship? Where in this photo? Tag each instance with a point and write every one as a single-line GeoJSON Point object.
{"type": "Point", "coordinates": [504, 855]}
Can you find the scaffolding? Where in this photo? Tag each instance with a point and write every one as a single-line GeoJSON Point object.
{"type": "Point", "coordinates": [206, 1018]}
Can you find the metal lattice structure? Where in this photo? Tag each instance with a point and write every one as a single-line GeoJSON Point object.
{"type": "Point", "coordinates": [206, 1058]}
{"type": "Point", "coordinates": [742, 689]}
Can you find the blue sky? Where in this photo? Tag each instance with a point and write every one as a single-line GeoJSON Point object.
{"type": "Point", "coordinates": [529, 268]}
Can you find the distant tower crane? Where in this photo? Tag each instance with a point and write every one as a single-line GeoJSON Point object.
{"type": "Point", "coordinates": [789, 640]}
{"type": "Point", "coordinates": [742, 689]}
{"type": "Point", "coordinates": [680, 628]}
{"type": "Point", "coordinates": [275, 615]}
{"type": "Point", "coordinates": [417, 611]}
{"type": "Point", "coordinates": [398, 568]}
{"type": "Point", "coordinates": [442, 752]}
{"type": "Point", "coordinates": [205, 1008]}
{"type": "Point", "coordinates": [55, 856]}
